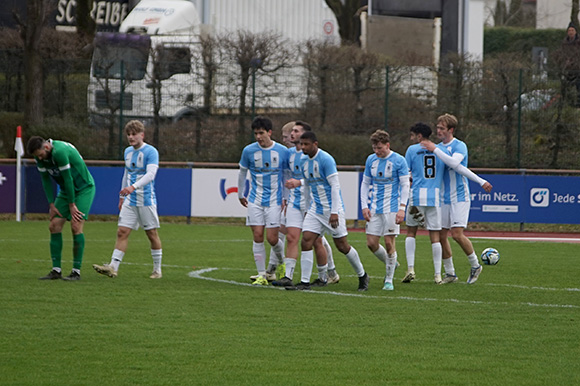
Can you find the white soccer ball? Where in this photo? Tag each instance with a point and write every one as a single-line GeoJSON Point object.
{"type": "Point", "coordinates": [490, 256]}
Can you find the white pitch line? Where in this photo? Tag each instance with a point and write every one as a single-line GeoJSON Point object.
{"type": "Point", "coordinates": [197, 274]}
{"type": "Point", "coordinates": [252, 270]}
{"type": "Point", "coordinates": [537, 239]}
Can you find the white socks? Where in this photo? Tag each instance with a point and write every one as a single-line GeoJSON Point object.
{"type": "Point", "coordinates": [410, 251]}
{"type": "Point", "coordinates": [437, 253]}
{"type": "Point", "coordinates": [157, 254]}
{"type": "Point", "coordinates": [329, 257]}
{"type": "Point", "coordinates": [354, 260]}
{"type": "Point", "coordinates": [116, 259]}
{"type": "Point", "coordinates": [290, 266]}
{"type": "Point", "coordinates": [260, 257]}
{"type": "Point", "coordinates": [448, 265]}
{"type": "Point", "coordinates": [323, 272]}
{"type": "Point", "coordinates": [473, 260]}
{"type": "Point", "coordinates": [306, 263]}
{"type": "Point", "coordinates": [381, 254]}
{"type": "Point", "coordinates": [390, 267]}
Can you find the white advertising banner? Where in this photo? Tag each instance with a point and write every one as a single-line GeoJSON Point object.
{"type": "Point", "coordinates": [214, 193]}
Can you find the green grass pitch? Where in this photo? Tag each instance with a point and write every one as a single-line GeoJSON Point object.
{"type": "Point", "coordinates": [203, 324]}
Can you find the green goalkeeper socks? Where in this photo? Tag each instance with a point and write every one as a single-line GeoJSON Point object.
{"type": "Point", "coordinates": [78, 250]}
{"type": "Point", "coordinates": [56, 249]}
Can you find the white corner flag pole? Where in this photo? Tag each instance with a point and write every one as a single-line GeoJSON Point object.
{"type": "Point", "coordinates": [19, 153]}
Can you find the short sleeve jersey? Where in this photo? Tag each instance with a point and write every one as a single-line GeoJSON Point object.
{"type": "Point", "coordinates": [384, 175]}
{"type": "Point", "coordinates": [455, 187]}
{"type": "Point", "coordinates": [426, 173]}
{"type": "Point", "coordinates": [296, 197]}
{"type": "Point", "coordinates": [67, 167]}
{"type": "Point", "coordinates": [315, 172]}
{"type": "Point", "coordinates": [136, 162]}
{"type": "Point", "coordinates": [266, 166]}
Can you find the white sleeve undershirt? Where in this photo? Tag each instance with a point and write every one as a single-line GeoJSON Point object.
{"type": "Point", "coordinates": [455, 164]}
{"type": "Point", "coordinates": [148, 177]}
{"type": "Point", "coordinates": [405, 187]}
{"type": "Point", "coordinates": [242, 181]}
{"type": "Point", "coordinates": [335, 192]}
{"type": "Point", "coordinates": [364, 192]}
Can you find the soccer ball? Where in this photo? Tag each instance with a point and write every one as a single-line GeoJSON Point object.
{"type": "Point", "coordinates": [490, 256]}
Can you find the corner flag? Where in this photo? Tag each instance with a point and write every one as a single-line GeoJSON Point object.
{"type": "Point", "coordinates": [19, 153]}
{"type": "Point", "coordinates": [18, 144]}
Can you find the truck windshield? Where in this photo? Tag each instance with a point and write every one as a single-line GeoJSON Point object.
{"type": "Point", "coordinates": [119, 55]}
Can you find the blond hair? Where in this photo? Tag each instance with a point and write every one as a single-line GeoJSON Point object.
{"type": "Point", "coordinates": [287, 128]}
{"type": "Point", "coordinates": [134, 127]}
{"type": "Point", "coordinates": [449, 120]}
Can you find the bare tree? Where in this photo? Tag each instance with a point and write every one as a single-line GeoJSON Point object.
{"type": "Point", "coordinates": [258, 55]}
{"type": "Point", "coordinates": [501, 82]}
{"type": "Point", "coordinates": [86, 26]}
{"type": "Point", "coordinates": [320, 59]}
{"type": "Point", "coordinates": [31, 32]}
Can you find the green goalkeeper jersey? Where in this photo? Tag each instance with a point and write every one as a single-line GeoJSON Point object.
{"type": "Point", "coordinates": [67, 167]}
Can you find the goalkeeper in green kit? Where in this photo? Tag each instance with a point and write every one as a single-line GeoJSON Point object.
{"type": "Point", "coordinates": [62, 161]}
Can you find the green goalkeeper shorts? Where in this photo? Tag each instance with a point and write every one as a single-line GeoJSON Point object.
{"type": "Point", "coordinates": [83, 200]}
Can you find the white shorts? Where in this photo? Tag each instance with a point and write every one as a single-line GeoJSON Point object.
{"type": "Point", "coordinates": [383, 224]}
{"type": "Point", "coordinates": [263, 215]}
{"type": "Point", "coordinates": [294, 217]}
{"type": "Point", "coordinates": [320, 224]}
{"type": "Point", "coordinates": [455, 215]}
{"type": "Point", "coordinates": [138, 216]}
{"type": "Point", "coordinates": [431, 215]}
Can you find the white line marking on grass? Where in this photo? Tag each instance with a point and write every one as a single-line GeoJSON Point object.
{"type": "Point", "coordinates": [537, 239]}
{"type": "Point", "coordinates": [197, 274]}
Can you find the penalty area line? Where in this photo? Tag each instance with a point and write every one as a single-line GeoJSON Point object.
{"type": "Point", "coordinates": [198, 274]}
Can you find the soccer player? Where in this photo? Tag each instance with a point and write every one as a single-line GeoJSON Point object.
{"type": "Point", "coordinates": [266, 161]}
{"type": "Point", "coordinates": [274, 265]}
{"type": "Point", "coordinates": [62, 161]}
{"type": "Point", "coordinates": [295, 211]}
{"type": "Point", "coordinates": [426, 175]}
{"type": "Point", "coordinates": [455, 195]}
{"type": "Point", "coordinates": [388, 174]}
{"type": "Point", "coordinates": [326, 211]}
{"type": "Point", "coordinates": [137, 200]}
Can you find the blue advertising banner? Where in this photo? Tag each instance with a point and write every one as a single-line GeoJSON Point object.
{"type": "Point", "coordinates": [7, 188]}
{"type": "Point", "coordinates": [527, 199]}
{"type": "Point", "coordinates": [173, 188]}
{"type": "Point", "coordinates": [502, 204]}
{"type": "Point", "coordinates": [552, 200]}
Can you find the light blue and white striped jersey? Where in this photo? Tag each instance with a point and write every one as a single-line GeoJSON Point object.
{"type": "Point", "coordinates": [384, 174]}
{"type": "Point", "coordinates": [315, 172]}
{"type": "Point", "coordinates": [296, 198]}
{"type": "Point", "coordinates": [136, 162]}
{"type": "Point", "coordinates": [426, 173]}
{"type": "Point", "coordinates": [266, 166]}
{"type": "Point", "coordinates": [455, 187]}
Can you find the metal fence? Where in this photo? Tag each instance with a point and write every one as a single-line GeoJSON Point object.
{"type": "Point", "coordinates": [510, 117]}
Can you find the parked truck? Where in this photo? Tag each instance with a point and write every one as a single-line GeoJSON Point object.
{"type": "Point", "coordinates": [152, 66]}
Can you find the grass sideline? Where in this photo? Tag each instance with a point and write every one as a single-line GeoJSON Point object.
{"type": "Point", "coordinates": [516, 325]}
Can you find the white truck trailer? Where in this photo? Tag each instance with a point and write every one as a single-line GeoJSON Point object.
{"type": "Point", "coordinates": [158, 46]}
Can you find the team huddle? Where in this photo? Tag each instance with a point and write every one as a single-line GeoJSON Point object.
{"type": "Point", "coordinates": [294, 199]}
{"type": "Point", "coordinates": [296, 191]}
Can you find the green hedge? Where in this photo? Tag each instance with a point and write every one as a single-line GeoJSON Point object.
{"type": "Point", "coordinates": [508, 39]}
